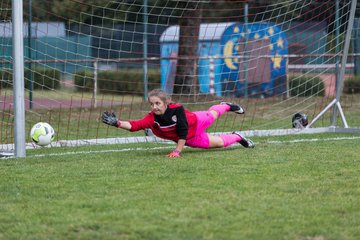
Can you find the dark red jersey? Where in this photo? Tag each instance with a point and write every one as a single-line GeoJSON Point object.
{"type": "Point", "coordinates": [176, 123]}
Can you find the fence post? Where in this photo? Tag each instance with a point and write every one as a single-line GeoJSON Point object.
{"type": "Point", "coordinates": [356, 44]}
{"type": "Point", "coordinates": [211, 75]}
{"type": "Point", "coordinates": [93, 100]}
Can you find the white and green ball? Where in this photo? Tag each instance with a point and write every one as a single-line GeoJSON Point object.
{"type": "Point", "coordinates": [42, 134]}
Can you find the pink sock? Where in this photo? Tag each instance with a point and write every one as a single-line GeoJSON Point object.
{"type": "Point", "coordinates": [229, 139]}
{"type": "Point", "coordinates": [220, 108]}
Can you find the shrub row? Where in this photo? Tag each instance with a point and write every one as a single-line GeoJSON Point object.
{"type": "Point", "coordinates": [122, 81]}
{"type": "Point", "coordinates": [43, 78]}
{"type": "Point", "coordinates": [304, 86]}
{"type": "Point", "coordinates": [352, 85]}
{"type": "Point", "coordinates": [131, 81]}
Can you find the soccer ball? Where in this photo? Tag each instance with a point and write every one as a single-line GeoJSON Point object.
{"type": "Point", "coordinates": [42, 134]}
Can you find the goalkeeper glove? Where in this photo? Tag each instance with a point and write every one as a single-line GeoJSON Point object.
{"type": "Point", "coordinates": [110, 119]}
{"type": "Point", "coordinates": [175, 153]}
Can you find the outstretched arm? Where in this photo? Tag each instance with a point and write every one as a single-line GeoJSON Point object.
{"type": "Point", "coordinates": [182, 129]}
{"type": "Point", "coordinates": [124, 125]}
{"type": "Point", "coordinates": [180, 145]}
{"type": "Point", "coordinates": [177, 151]}
{"type": "Point", "coordinates": [131, 125]}
{"type": "Point", "coordinates": [111, 119]}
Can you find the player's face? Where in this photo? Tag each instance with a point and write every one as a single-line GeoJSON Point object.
{"type": "Point", "coordinates": [158, 106]}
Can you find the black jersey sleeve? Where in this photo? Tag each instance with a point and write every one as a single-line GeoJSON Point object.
{"type": "Point", "coordinates": [182, 123]}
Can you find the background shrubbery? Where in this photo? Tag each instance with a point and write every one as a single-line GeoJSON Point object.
{"type": "Point", "coordinates": [43, 78]}
{"type": "Point", "coordinates": [5, 78]}
{"type": "Point", "coordinates": [126, 81]}
{"type": "Point", "coordinates": [304, 86]}
{"type": "Point", "coordinates": [122, 81]}
{"type": "Point", "coordinates": [130, 81]}
{"type": "Point", "coordinates": [352, 85]}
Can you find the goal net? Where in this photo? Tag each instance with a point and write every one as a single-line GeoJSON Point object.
{"type": "Point", "coordinates": [275, 58]}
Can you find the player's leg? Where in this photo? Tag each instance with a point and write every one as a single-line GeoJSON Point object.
{"type": "Point", "coordinates": [220, 109]}
{"type": "Point", "coordinates": [225, 140]}
{"type": "Point", "coordinates": [205, 140]}
{"type": "Point", "coordinates": [245, 142]}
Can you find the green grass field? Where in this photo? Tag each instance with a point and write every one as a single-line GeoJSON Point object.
{"type": "Point", "coordinates": [301, 187]}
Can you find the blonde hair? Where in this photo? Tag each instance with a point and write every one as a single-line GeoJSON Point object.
{"type": "Point", "coordinates": [160, 94]}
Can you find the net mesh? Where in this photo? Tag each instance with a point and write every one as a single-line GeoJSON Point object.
{"type": "Point", "coordinates": [84, 57]}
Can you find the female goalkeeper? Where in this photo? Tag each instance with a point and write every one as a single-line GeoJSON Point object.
{"type": "Point", "coordinates": [172, 121]}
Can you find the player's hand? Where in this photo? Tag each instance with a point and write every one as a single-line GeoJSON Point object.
{"type": "Point", "coordinates": [175, 153]}
{"type": "Point", "coordinates": [109, 118]}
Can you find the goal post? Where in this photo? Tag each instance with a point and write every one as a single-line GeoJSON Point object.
{"type": "Point", "coordinates": [275, 58]}
{"type": "Point", "coordinates": [339, 80]}
{"type": "Point", "coordinates": [18, 73]}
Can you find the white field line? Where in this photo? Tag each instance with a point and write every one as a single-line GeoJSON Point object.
{"type": "Point", "coordinates": [313, 140]}
{"type": "Point", "coordinates": [99, 151]}
{"type": "Point", "coordinates": [170, 147]}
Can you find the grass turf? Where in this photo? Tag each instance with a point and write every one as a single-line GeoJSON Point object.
{"type": "Point", "coordinates": [279, 190]}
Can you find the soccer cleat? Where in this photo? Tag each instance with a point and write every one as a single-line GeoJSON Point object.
{"type": "Point", "coordinates": [236, 108]}
{"type": "Point", "coordinates": [245, 142]}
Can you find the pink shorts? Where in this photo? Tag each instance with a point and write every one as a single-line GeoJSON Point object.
{"type": "Point", "coordinates": [201, 138]}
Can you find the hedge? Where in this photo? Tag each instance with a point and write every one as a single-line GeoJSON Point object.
{"type": "Point", "coordinates": [124, 81]}
{"type": "Point", "coordinates": [43, 78]}
{"type": "Point", "coordinates": [6, 78]}
{"type": "Point", "coordinates": [84, 81]}
{"type": "Point", "coordinates": [304, 86]}
{"type": "Point", "coordinates": [352, 85]}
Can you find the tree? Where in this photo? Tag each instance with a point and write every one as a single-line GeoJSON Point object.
{"type": "Point", "coordinates": [186, 71]}
{"type": "Point", "coordinates": [82, 11]}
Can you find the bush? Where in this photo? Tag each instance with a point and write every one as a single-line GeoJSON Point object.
{"type": "Point", "coordinates": [352, 85]}
{"type": "Point", "coordinates": [84, 81]}
{"type": "Point", "coordinates": [6, 78]}
{"type": "Point", "coordinates": [124, 81]}
{"type": "Point", "coordinates": [304, 86]}
{"type": "Point", "coordinates": [43, 78]}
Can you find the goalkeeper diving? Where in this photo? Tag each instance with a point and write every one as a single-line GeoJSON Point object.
{"type": "Point", "coordinates": [171, 121]}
